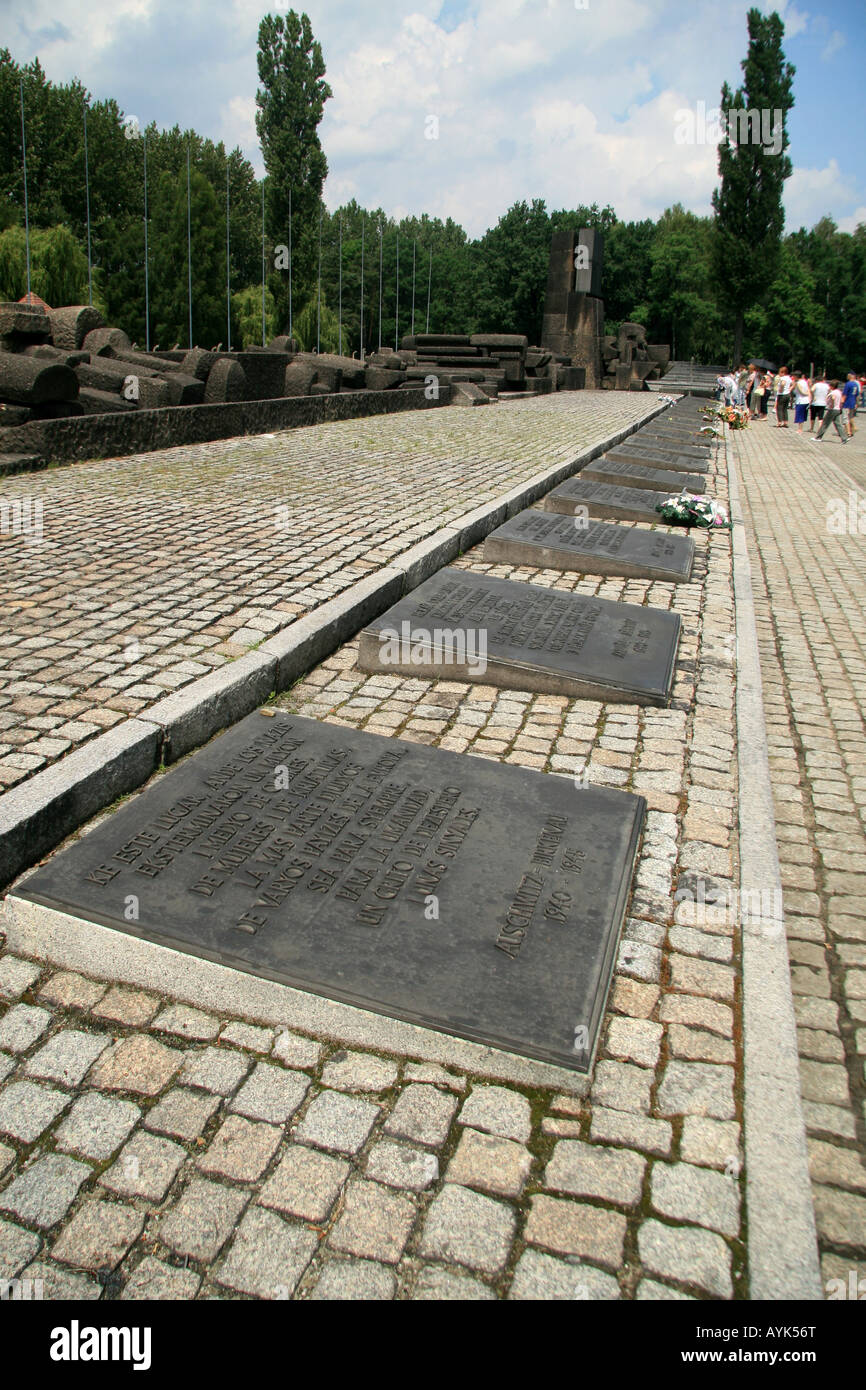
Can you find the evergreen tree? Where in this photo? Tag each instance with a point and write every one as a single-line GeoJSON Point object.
{"type": "Point", "coordinates": [753, 167]}
{"type": "Point", "coordinates": [291, 102]}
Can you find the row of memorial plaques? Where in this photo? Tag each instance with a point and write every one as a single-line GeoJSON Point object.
{"type": "Point", "coordinates": [476, 898]}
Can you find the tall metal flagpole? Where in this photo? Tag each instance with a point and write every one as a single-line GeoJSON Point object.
{"type": "Point", "coordinates": [87, 191]}
{"type": "Point", "coordinates": [414, 250]}
{"type": "Point", "coordinates": [228, 269]}
{"type": "Point", "coordinates": [26, 202]}
{"type": "Point", "coordinates": [381, 242]}
{"type": "Point", "coordinates": [341, 285]}
{"type": "Point", "coordinates": [146, 274]}
{"type": "Point", "coordinates": [397, 307]}
{"type": "Point", "coordinates": [189, 243]}
{"type": "Point", "coordinates": [290, 262]}
{"type": "Point", "coordinates": [363, 228]}
{"type": "Point", "coordinates": [429, 288]}
{"type": "Point", "coordinates": [263, 262]}
{"type": "Point", "coordinates": [319, 299]}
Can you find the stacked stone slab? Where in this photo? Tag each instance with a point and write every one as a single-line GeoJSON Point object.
{"type": "Point", "coordinates": [496, 363]}
{"type": "Point", "coordinates": [573, 323]}
{"type": "Point", "coordinates": [46, 386]}
{"type": "Point", "coordinates": [630, 361]}
{"type": "Point", "coordinates": [56, 363]}
{"type": "Point", "coordinates": [688, 378]}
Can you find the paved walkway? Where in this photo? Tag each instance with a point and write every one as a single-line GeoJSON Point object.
{"type": "Point", "coordinates": [152, 1150]}
{"type": "Point", "coordinates": [808, 549]}
{"type": "Point", "coordinates": [124, 580]}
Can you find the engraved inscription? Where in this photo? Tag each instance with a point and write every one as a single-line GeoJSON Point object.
{"type": "Point", "coordinates": [480, 900]}
{"type": "Point", "coordinates": [385, 839]}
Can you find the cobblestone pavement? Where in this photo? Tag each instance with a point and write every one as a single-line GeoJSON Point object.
{"type": "Point", "coordinates": [153, 1151]}
{"type": "Point", "coordinates": [132, 577]}
{"type": "Point", "coordinates": [809, 577]}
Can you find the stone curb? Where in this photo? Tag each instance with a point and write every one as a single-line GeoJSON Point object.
{"type": "Point", "coordinates": [71, 943]}
{"type": "Point", "coordinates": [37, 815]}
{"type": "Point", "coordinates": [44, 810]}
{"type": "Point", "coordinates": [782, 1244]}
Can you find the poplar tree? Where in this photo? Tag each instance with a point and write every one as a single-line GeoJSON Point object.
{"type": "Point", "coordinates": [291, 102]}
{"type": "Point", "coordinates": [750, 218]}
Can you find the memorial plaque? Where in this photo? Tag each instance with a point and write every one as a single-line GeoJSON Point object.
{"type": "Point", "coordinates": [481, 900]}
{"type": "Point", "coordinates": [659, 456]}
{"type": "Point", "coordinates": [689, 442]}
{"type": "Point", "coordinates": [692, 439]}
{"type": "Point", "coordinates": [634, 474]}
{"type": "Point", "coordinates": [464, 626]}
{"type": "Point", "coordinates": [598, 547]}
{"type": "Point", "coordinates": [581, 496]}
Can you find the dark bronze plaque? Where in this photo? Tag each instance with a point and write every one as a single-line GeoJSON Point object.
{"type": "Point", "coordinates": [634, 474]}
{"type": "Point", "coordinates": [481, 900]}
{"type": "Point", "coordinates": [547, 541]}
{"type": "Point", "coordinates": [465, 626]}
{"type": "Point", "coordinates": [581, 496]}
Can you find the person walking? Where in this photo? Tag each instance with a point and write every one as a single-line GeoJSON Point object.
{"type": "Point", "coordinates": [756, 394]}
{"type": "Point", "coordinates": [783, 399]}
{"type": "Point", "coordinates": [820, 392]}
{"type": "Point", "coordinates": [802, 400]}
{"type": "Point", "coordinates": [850, 394]}
{"type": "Point", "coordinates": [833, 416]}
{"type": "Point", "coordinates": [765, 399]}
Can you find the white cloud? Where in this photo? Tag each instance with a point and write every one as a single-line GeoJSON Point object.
{"type": "Point", "coordinates": [854, 220]}
{"type": "Point", "coordinates": [534, 98]}
{"type": "Point", "coordinates": [238, 123]}
{"type": "Point", "coordinates": [795, 21]}
{"type": "Point", "coordinates": [833, 45]}
{"type": "Point", "coordinates": [814, 193]}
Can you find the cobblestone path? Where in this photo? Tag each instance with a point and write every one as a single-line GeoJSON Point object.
{"type": "Point", "coordinates": [152, 1150]}
{"type": "Point", "coordinates": [130, 578]}
{"type": "Point", "coordinates": [808, 550]}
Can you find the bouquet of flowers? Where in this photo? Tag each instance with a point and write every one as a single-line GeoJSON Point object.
{"type": "Point", "coordinates": [686, 509]}
{"type": "Point", "coordinates": [736, 417]}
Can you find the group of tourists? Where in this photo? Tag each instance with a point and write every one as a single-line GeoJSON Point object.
{"type": "Point", "coordinates": [829, 402]}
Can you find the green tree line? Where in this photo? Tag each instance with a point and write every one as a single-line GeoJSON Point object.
{"type": "Point", "coordinates": [663, 273]}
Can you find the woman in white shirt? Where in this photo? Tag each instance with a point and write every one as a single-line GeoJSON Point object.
{"type": "Point", "coordinates": [783, 399]}
{"type": "Point", "coordinates": [802, 399]}
{"type": "Point", "coordinates": [820, 392]}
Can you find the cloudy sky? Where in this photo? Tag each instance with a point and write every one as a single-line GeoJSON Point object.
{"type": "Point", "coordinates": [573, 101]}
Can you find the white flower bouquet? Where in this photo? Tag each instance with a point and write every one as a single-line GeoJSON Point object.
{"type": "Point", "coordinates": [686, 509]}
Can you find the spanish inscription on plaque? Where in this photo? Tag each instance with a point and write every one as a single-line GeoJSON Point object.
{"type": "Point", "coordinates": [481, 900]}
{"type": "Point", "coordinates": [579, 497]}
{"type": "Point", "coordinates": [465, 626]}
{"type": "Point", "coordinates": [595, 547]}
{"type": "Point", "coordinates": [661, 456]}
{"type": "Point", "coordinates": [633, 474]}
